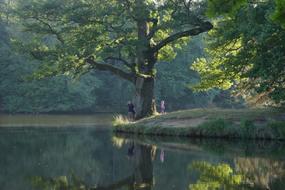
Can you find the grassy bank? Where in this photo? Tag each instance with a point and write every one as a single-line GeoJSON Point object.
{"type": "Point", "coordinates": [221, 123]}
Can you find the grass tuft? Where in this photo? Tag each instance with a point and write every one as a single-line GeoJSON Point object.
{"type": "Point", "coordinates": [120, 120]}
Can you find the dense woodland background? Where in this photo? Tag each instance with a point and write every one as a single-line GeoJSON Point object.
{"type": "Point", "coordinates": [240, 63]}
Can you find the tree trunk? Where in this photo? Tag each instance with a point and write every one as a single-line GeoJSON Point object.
{"type": "Point", "coordinates": [145, 59]}
{"type": "Point", "coordinates": [143, 176]}
{"type": "Point", "coordinates": [143, 97]}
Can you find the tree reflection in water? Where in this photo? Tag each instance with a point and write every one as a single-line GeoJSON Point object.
{"type": "Point", "coordinates": [249, 174]}
{"type": "Point", "coordinates": [262, 173]}
{"type": "Point", "coordinates": [233, 171]}
{"type": "Point", "coordinates": [140, 179]}
{"type": "Point", "coordinates": [216, 177]}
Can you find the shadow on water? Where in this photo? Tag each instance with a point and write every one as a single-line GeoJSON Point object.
{"type": "Point", "coordinates": [88, 158]}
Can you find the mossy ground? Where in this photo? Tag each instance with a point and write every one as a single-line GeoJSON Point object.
{"type": "Point", "coordinates": [222, 123]}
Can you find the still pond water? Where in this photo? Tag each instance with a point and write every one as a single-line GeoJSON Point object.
{"type": "Point", "coordinates": [81, 152]}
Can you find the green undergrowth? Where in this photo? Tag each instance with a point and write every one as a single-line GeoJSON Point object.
{"type": "Point", "coordinates": [246, 129]}
{"type": "Point", "coordinates": [246, 124]}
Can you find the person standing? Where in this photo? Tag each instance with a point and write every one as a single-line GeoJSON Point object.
{"type": "Point", "coordinates": [162, 107]}
{"type": "Point", "coordinates": [153, 106]}
{"type": "Point", "coordinates": [131, 111]}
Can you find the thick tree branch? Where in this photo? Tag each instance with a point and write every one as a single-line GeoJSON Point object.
{"type": "Point", "coordinates": [110, 68]}
{"type": "Point", "coordinates": [118, 59]}
{"type": "Point", "coordinates": [154, 28]}
{"type": "Point", "coordinates": [204, 27]}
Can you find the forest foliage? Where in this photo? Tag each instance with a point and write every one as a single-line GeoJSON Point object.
{"type": "Point", "coordinates": [245, 51]}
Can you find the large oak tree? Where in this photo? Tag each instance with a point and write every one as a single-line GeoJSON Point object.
{"type": "Point", "coordinates": [124, 37]}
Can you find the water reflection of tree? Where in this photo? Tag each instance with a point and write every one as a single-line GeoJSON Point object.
{"type": "Point", "coordinates": [140, 179]}
{"type": "Point", "coordinates": [216, 177]}
{"type": "Point", "coordinates": [249, 173]}
{"type": "Point", "coordinates": [262, 173]}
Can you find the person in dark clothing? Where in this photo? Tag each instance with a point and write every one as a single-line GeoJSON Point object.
{"type": "Point", "coordinates": [131, 110]}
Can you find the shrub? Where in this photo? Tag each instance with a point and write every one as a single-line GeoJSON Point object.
{"type": "Point", "coordinates": [214, 127]}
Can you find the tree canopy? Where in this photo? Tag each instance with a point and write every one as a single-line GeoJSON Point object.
{"type": "Point", "coordinates": [28, 27]}
{"type": "Point", "coordinates": [124, 37]}
{"type": "Point", "coordinates": [245, 51]}
{"type": "Point", "coordinates": [68, 34]}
